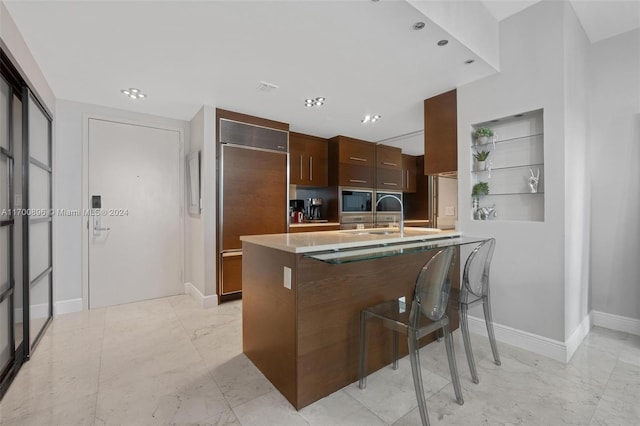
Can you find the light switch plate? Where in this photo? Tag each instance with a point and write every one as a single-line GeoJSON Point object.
{"type": "Point", "coordinates": [287, 277]}
{"type": "Point", "coordinates": [450, 211]}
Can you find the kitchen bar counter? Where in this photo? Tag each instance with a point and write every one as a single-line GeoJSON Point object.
{"type": "Point", "coordinates": [302, 297]}
{"type": "Point", "coordinates": [308, 242]}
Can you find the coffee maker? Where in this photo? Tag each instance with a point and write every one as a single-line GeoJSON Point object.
{"type": "Point", "coordinates": [296, 211]}
{"type": "Point", "coordinates": [313, 206]}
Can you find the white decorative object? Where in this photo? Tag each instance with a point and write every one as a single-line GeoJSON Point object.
{"type": "Point", "coordinates": [483, 139]}
{"type": "Point", "coordinates": [481, 165]}
{"type": "Point", "coordinates": [533, 181]}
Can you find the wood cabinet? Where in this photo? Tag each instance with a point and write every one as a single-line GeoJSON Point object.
{"type": "Point", "coordinates": [388, 168]}
{"type": "Point", "coordinates": [409, 173]}
{"type": "Point", "coordinates": [308, 160]}
{"type": "Point", "coordinates": [320, 227]}
{"type": "Point", "coordinates": [353, 161]}
{"type": "Point", "coordinates": [231, 273]}
{"type": "Point", "coordinates": [441, 134]}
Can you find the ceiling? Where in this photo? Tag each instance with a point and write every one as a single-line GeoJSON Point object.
{"type": "Point", "coordinates": [362, 56]}
{"type": "Point", "coordinates": [600, 19]}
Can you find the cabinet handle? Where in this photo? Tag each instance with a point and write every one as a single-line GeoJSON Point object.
{"type": "Point", "coordinates": [300, 167]}
{"type": "Point", "coordinates": [390, 183]}
{"type": "Point", "coordinates": [357, 159]}
{"type": "Point", "coordinates": [403, 183]}
{"type": "Point", "coordinates": [386, 163]}
{"type": "Point", "coordinates": [311, 168]}
{"type": "Point", "coordinates": [357, 181]}
{"type": "Point", "coordinates": [407, 178]}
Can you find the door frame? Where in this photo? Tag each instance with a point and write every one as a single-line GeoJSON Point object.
{"type": "Point", "coordinates": [86, 117]}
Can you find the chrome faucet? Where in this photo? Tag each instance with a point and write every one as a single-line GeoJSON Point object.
{"type": "Point", "coordinates": [401, 210]}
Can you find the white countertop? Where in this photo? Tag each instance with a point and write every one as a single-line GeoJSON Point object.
{"type": "Point", "coordinates": [308, 242]}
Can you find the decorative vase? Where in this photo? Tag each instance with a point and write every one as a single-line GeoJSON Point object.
{"type": "Point", "coordinates": [481, 165]}
{"type": "Point", "coordinates": [483, 139]}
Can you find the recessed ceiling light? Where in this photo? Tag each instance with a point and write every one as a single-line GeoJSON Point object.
{"type": "Point", "coordinates": [319, 101]}
{"type": "Point", "coordinates": [469, 61]}
{"type": "Point", "coordinates": [443, 42]}
{"type": "Point", "coordinates": [418, 26]}
{"type": "Point", "coordinates": [370, 119]}
{"type": "Point", "coordinates": [133, 93]}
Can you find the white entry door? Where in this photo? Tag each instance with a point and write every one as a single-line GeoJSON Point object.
{"type": "Point", "coordinates": [135, 235]}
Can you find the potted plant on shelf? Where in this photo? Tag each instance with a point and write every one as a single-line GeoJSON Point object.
{"type": "Point", "coordinates": [481, 158]}
{"type": "Point", "coordinates": [480, 188]}
{"type": "Point", "coordinates": [483, 134]}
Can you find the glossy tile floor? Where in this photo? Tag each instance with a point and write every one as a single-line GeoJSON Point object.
{"type": "Point", "coordinates": [166, 361]}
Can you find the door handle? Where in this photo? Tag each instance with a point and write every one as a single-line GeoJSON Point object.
{"type": "Point", "coordinates": [97, 226]}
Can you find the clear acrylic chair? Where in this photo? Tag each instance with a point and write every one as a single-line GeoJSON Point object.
{"type": "Point", "coordinates": [474, 290]}
{"type": "Point", "coordinates": [427, 313]}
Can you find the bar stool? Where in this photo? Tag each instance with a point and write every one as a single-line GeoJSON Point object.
{"type": "Point", "coordinates": [426, 315]}
{"type": "Point", "coordinates": [474, 290]}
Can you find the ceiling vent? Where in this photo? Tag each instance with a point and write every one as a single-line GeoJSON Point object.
{"type": "Point", "coordinates": [267, 87]}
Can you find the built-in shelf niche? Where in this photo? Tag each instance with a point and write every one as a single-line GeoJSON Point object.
{"type": "Point", "coordinates": [516, 149]}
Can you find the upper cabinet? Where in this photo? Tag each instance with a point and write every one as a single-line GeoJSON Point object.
{"type": "Point", "coordinates": [409, 172]}
{"type": "Point", "coordinates": [308, 160]}
{"type": "Point", "coordinates": [441, 134]}
{"type": "Point", "coordinates": [354, 160]}
{"type": "Point", "coordinates": [388, 168]}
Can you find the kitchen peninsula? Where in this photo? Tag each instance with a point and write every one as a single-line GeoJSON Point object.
{"type": "Point", "coordinates": [303, 294]}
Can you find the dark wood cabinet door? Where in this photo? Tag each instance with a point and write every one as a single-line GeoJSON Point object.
{"type": "Point", "coordinates": [254, 181]}
{"type": "Point", "coordinates": [231, 273]}
{"type": "Point", "coordinates": [356, 175]}
{"type": "Point", "coordinates": [296, 160]}
{"type": "Point", "coordinates": [355, 151]}
{"type": "Point", "coordinates": [388, 157]}
{"type": "Point", "coordinates": [308, 160]}
{"type": "Point", "coordinates": [441, 134]}
{"type": "Point", "coordinates": [390, 179]}
{"type": "Point", "coordinates": [409, 172]}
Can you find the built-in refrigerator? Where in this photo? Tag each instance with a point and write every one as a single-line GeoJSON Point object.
{"type": "Point", "coordinates": [252, 193]}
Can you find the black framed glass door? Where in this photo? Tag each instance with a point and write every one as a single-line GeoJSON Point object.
{"type": "Point", "coordinates": [38, 259]}
{"type": "Point", "coordinates": [26, 268]}
{"type": "Point", "coordinates": [11, 325]}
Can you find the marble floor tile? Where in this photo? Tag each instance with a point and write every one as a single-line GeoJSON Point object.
{"type": "Point", "coordinates": [240, 381]}
{"type": "Point", "coordinates": [168, 361]}
{"type": "Point", "coordinates": [77, 412]}
{"type": "Point", "coordinates": [269, 409]}
{"type": "Point", "coordinates": [339, 409]}
{"type": "Point", "coordinates": [620, 402]}
{"type": "Point", "coordinates": [390, 393]}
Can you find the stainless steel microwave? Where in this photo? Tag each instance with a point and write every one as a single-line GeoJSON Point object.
{"type": "Point", "coordinates": [355, 200]}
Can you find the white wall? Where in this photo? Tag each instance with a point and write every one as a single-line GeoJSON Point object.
{"type": "Point", "coordinates": [614, 99]}
{"type": "Point", "coordinates": [209, 200]}
{"type": "Point", "coordinates": [12, 40]}
{"type": "Point", "coordinates": [528, 265]}
{"type": "Point", "coordinates": [577, 213]}
{"type": "Point", "coordinates": [68, 189]}
{"type": "Point", "coordinates": [195, 225]}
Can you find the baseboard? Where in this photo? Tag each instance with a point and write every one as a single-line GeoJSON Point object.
{"type": "Point", "coordinates": [573, 343]}
{"type": "Point", "coordinates": [550, 348]}
{"type": "Point", "coordinates": [67, 306]}
{"type": "Point", "coordinates": [616, 322]}
{"type": "Point", "coordinates": [205, 302]}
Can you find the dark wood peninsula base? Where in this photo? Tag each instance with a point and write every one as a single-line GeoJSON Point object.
{"type": "Point", "coordinates": [305, 340]}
